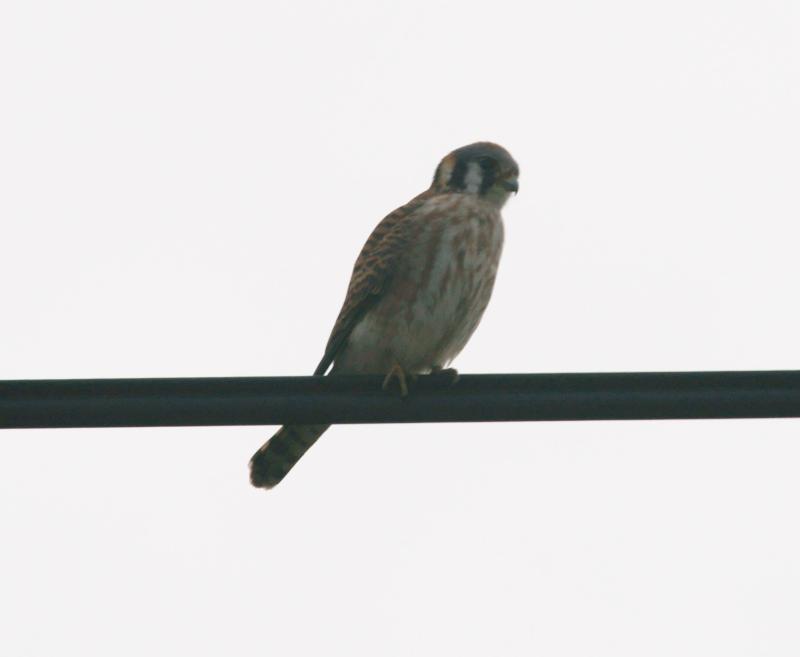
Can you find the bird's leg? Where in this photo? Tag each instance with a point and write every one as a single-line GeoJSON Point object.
{"type": "Point", "coordinates": [449, 374]}
{"type": "Point", "coordinates": [397, 372]}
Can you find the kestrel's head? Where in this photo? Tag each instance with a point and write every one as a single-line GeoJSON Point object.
{"type": "Point", "coordinates": [484, 169]}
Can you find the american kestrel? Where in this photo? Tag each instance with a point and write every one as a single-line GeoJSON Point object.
{"type": "Point", "coordinates": [418, 290]}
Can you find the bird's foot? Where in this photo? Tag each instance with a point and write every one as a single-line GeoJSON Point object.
{"type": "Point", "coordinates": [397, 372]}
{"type": "Point", "coordinates": [449, 375]}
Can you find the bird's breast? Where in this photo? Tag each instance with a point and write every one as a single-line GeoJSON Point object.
{"type": "Point", "coordinates": [439, 291]}
{"type": "Point", "coordinates": [449, 265]}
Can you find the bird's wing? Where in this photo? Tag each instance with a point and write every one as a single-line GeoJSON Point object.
{"type": "Point", "coordinates": [372, 272]}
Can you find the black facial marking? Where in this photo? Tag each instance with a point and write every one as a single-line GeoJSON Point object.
{"type": "Point", "coordinates": [492, 159]}
{"type": "Point", "coordinates": [489, 170]}
{"type": "Point", "coordinates": [459, 173]}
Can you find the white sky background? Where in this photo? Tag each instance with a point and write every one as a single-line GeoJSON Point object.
{"type": "Point", "coordinates": [184, 188]}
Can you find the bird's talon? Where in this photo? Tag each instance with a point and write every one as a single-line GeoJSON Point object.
{"type": "Point", "coordinates": [450, 374]}
{"type": "Point", "coordinates": [398, 373]}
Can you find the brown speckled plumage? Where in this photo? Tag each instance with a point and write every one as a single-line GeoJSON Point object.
{"type": "Point", "coordinates": [418, 289]}
{"type": "Point", "coordinates": [371, 272]}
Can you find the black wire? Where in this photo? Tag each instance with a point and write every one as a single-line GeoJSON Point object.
{"type": "Point", "coordinates": [359, 399]}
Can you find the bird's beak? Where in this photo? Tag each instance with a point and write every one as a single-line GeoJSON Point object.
{"type": "Point", "coordinates": [510, 185]}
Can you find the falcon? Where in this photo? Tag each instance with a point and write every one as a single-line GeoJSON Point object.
{"type": "Point", "coordinates": [418, 289]}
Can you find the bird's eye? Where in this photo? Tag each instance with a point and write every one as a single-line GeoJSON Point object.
{"type": "Point", "coordinates": [488, 165]}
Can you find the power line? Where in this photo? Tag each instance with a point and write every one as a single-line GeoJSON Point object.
{"type": "Point", "coordinates": [359, 399]}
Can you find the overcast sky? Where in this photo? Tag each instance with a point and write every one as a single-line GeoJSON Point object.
{"type": "Point", "coordinates": [183, 189]}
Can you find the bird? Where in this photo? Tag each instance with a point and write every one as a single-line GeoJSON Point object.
{"type": "Point", "coordinates": [418, 289]}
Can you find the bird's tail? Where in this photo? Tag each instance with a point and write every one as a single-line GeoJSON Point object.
{"type": "Point", "coordinates": [278, 455]}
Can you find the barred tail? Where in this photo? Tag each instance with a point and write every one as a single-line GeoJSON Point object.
{"type": "Point", "coordinates": [278, 455]}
